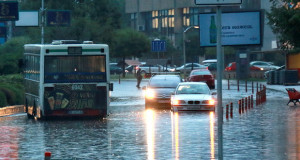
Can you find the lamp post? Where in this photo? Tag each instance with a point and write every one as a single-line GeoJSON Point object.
{"type": "Point", "coordinates": [183, 47]}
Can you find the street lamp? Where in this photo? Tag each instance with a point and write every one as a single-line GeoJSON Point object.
{"type": "Point", "coordinates": [184, 57]}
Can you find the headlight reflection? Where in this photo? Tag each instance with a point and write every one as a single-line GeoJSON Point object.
{"type": "Point", "coordinates": [175, 134]}
{"type": "Point", "coordinates": [150, 125]}
{"type": "Point", "coordinates": [212, 134]}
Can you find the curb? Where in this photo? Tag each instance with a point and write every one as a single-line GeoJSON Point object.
{"type": "Point", "coordinates": [9, 110]}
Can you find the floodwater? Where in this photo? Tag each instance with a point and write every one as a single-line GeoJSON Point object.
{"type": "Point", "coordinates": [268, 131]}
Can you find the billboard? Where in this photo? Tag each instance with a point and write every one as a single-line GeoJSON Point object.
{"type": "Point", "coordinates": [239, 28]}
{"type": "Point", "coordinates": [9, 11]}
{"type": "Point", "coordinates": [28, 18]}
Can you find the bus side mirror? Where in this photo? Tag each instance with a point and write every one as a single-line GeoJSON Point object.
{"type": "Point", "coordinates": [111, 87]}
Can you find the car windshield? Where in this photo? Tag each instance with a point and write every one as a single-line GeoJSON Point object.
{"type": "Point", "coordinates": [192, 89]}
{"type": "Point", "coordinates": [164, 82]}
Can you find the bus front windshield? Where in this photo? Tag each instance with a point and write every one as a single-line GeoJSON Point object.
{"type": "Point", "coordinates": [64, 69]}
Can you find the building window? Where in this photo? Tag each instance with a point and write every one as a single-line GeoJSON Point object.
{"type": "Point", "coordinates": [133, 16]}
{"type": "Point", "coordinates": [155, 19]}
{"type": "Point", "coordinates": [190, 17]}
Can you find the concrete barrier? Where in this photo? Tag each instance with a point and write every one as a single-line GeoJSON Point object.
{"type": "Point", "coordinates": [9, 110]}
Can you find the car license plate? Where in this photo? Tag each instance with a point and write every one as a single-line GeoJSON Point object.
{"type": "Point", "coordinates": [163, 101]}
{"type": "Point", "coordinates": [75, 112]}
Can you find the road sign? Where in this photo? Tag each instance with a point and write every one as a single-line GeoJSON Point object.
{"type": "Point", "coordinates": [58, 18]}
{"type": "Point", "coordinates": [9, 11]}
{"type": "Point", "coordinates": [158, 46]}
{"type": "Point", "coordinates": [218, 2]}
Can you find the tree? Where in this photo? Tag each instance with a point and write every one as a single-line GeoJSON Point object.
{"type": "Point", "coordinates": [93, 20]}
{"type": "Point", "coordinates": [284, 19]}
{"type": "Point", "coordinates": [11, 54]}
{"type": "Point", "coordinates": [129, 43]}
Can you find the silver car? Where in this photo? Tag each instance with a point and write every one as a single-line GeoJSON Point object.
{"type": "Point", "coordinates": [264, 65]}
{"type": "Point", "coordinates": [159, 89]}
{"type": "Point", "coordinates": [188, 67]}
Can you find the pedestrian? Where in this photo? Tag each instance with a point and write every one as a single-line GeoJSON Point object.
{"type": "Point", "coordinates": [139, 77]}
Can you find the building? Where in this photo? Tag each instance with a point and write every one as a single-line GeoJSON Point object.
{"type": "Point", "coordinates": [170, 18]}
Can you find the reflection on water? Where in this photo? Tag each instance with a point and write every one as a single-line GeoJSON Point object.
{"type": "Point", "coordinates": [150, 126]}
{"type": "Point", "coordinates": [270, 131]}
{"type": "Point", "coordinates": [212, 134]}
{"type": "Point", "coordinates": [9, 142]}
{"type": "Point", "coordinates": [175, 134]}
{"type": "Point", "coordinates": [294, 135]}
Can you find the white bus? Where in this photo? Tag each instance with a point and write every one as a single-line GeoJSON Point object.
{"type": "Point", "coordinates": [66, 79]}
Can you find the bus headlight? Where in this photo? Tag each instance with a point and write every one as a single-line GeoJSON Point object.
{"type": "Point", "coordinates": [150, 94]}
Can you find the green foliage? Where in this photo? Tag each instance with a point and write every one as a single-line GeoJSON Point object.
{"type": "Point", "coordinates": [11, 90]}
{"type": "Point", "coordinates": [284, 20]}
{"type": "Point", "coordinates": [3, 101]}
{"type": "Point", "coordinates": [10, 95]}
{"type": "Point", "coordinates": [128, 42]}
{"type": "Point", "coordinates": [10, 55]}
{"type": "Point", "coordinates": [90, 20]}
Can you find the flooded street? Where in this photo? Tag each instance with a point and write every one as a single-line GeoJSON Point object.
{"type": "Point", "coordinates": [268, 131]}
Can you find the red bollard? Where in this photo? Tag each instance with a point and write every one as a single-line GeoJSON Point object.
{"type": "Point", "coordinates": [246, 85]}
{"type": "Point", "coordinates": [256, 96]}
{"type": "Point", "coordinates": [238, 82]}
{"type": "Point", "coordinates": [252, 88]}
{"type": "Point", "coordinates": [240, 107]}
{"type": "Point", "coordinates": [246, 103]}
{"type": "Point", "coordinates": [231, 109]}
{"type": "Point", "coordinates": [249, 102]}
{"type": "Point", "coordinates": [227, 108]}
{"type": "Point", "coordinates": [47, 155]}
{"type": "Point", "coordinates": [228, 85]}
{"type": "Point", "coordinates": [260, 87]}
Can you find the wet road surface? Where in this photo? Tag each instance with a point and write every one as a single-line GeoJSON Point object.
{"type": "Point", "coordinates": [268, 131]}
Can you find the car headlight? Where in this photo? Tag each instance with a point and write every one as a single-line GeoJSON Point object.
{"type": "Point", "coordinates": [261, 69]}
{"type": "Point", "coordinates": [209, 102]}
{"type": "Point", "coordinates": [175, 102]}
{"type": "Point", "coordinates": [150, 94]}
{"type": "Point", "coordinates": [172, 70]}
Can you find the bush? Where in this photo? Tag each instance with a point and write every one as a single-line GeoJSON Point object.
{"type": "Point", "coordinates": [10, 96]}
{"type": "Point", "coordinates": [18, 93]}
{"type": "Point", "coordinates": [3, 101]}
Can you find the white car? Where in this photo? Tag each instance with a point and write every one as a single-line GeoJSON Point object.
{"type": "Point", "coordinates": [193, 96]}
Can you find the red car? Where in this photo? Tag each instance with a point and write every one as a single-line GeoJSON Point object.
{"type": "Point", "coordinates": [232, 67]}
{"type": "Point", "coordinates": [202, 75]}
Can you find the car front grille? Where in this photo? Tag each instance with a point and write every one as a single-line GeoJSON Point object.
{"type": "Point", "coordinates": [193, 102]}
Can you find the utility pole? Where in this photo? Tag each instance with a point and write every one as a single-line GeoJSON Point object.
{"type": "Point", "coordinates": [43, 22]}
